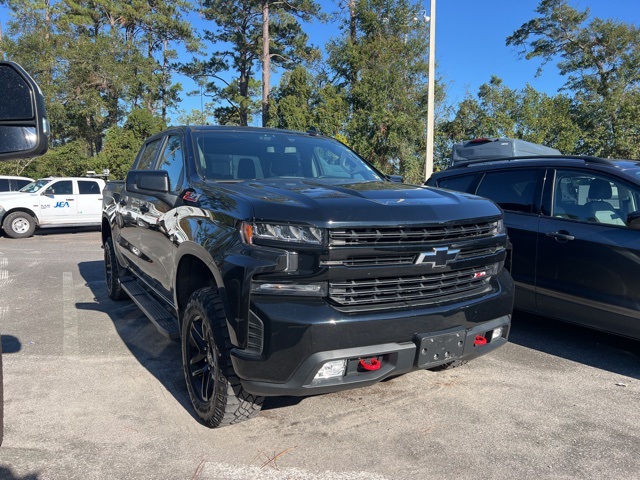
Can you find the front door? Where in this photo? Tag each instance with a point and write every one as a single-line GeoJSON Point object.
{"type": "Point", "coordinates": [58, 204]}
{"type": "Point", "coordinates": [588, 268]}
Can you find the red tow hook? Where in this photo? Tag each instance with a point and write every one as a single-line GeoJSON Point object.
{"type": "Point", "coordinates": [370, 364]}
{"type": "Point", "coordinates": [480, 340]}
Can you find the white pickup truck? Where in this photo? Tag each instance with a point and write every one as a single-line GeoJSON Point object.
{"type": "Point", "coordinates": [51, 202]}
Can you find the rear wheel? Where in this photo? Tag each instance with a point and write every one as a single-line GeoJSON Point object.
{"type": "Point", "coordinates": [112, 272]}
{"type": "Point", "coordinates": [215, 390]}
{"type": "Point", "coordinates": [19, 225]}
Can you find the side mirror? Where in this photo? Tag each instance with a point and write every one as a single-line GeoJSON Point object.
{"type": "Point", "coordinates": [24, 128]}
{"type": "Point", "coordinates": [395, 178]}
{"type": "Point", "coordinates": [147, 182]}
{"type": "Point", "coordinates": [633, 220]}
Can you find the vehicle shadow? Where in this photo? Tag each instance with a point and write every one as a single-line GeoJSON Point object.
{"type": "Point", "coordinates": [10, 344]}
{"type": "Point", "coordinates": [597, 349]}
{"type": "Point", "coordinates": [160, 356]}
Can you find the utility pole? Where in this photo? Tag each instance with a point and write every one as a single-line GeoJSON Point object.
{"type": "Point", "coordinates": [428, 170]}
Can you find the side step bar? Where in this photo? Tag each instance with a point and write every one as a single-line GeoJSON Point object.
{"type": "Point", "coordinates": [161, 318]}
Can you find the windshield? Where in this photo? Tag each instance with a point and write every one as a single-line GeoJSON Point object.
{"type": "Point", "coordinates": [35, 186]}
{"type": "Point", "coordinates": [241, 155]}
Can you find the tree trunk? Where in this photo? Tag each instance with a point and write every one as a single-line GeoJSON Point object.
{"type": "Point", "coordinates": [266, 63]}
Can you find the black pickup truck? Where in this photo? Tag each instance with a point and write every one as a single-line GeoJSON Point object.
{"type": "Point", "coordinates": [287, 265]}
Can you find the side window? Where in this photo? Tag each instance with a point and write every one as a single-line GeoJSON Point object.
{"type": "Point", "coordinates": [88, 187]}
{"type": "Point", "coordinates": [172, 162]}
{"type": "Point", "coordinates": [461, 184]}
{"type": "Point", "coordinates": [22, 183]}
{"type": "Point", "coordinates": [4, 185]}
{"type": "Point", "coordinates": [513, 190]}
{"type": "Point", "coordinates": [594, 198]}
{"type": "Point", "coordinates": [148, 155]}
{"type": "Point", "coordinates": [63, 187]}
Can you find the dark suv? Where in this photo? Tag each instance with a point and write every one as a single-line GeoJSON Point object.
{"type": "Point", "coordinates": [573, 223]}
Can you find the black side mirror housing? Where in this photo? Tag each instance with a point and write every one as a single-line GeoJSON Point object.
{"type": "Point", "coordinates": [633, 220]}
{"type": "Point", "coordinates": [24, 128]}
{"type": "Point", "coordinates": [147, 182]}
{"type": "Point", "coordinates": [395, 178]}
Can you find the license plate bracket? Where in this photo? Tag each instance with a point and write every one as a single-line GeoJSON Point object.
{"type": "Point", "coordinates": [436, 349]}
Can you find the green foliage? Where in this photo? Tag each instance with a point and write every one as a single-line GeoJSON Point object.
{"type": "Point", "coordinates": [123, 143]}
{"type": "Point", "coordinates": [601, 59]}
{"type": "Point", "coordinates": [382, 61]}
{"type": "Point", "coordinates": [529, 115]}
{"type": "Point", "coordinates": [303, 101]}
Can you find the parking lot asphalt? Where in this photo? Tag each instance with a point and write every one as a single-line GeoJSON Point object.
{"type": "Point", "coordinates": [92, 391]}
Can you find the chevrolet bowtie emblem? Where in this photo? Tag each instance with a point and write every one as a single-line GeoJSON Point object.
{"type": "Point", "coordinates": [438, 257]}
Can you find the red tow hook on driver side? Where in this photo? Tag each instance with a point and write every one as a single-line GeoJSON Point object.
{"type": "Point", "coordinates": [480, 340]}
{"type": "Point", "coordinates": [370, 364]}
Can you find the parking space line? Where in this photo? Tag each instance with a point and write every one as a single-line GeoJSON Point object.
{"type": "Point", "coordinates": [70, 316]}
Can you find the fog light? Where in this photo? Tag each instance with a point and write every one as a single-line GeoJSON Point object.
{"type": "Point", "coordinates": [332, 369]}
{"type": "Point", "coordinates": [497, 333]}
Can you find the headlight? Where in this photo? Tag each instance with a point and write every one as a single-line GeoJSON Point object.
{"type": "Point", "coordinates": [500, 228]}
{"type": "Point", "coordinates": [281, 233]}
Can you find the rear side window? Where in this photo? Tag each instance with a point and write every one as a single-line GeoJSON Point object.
{"type": "Point", "coordinates": [461, 184]}
{"type": "Point", "coordinates": [4, 185]}
{"type": "Point", "coordinates": [148, 155]}
{"type": "Point", "coordinates": [22, 183]}
{"type": "Point", "coordinates": [513, 190]}
{"type": "Point", "coordinates": [88, 187]}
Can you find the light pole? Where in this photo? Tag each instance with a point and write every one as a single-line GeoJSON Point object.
{"type": "Point", "coordinates": [428, 165]}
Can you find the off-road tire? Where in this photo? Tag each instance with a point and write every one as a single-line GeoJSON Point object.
{"type": "Point", "coordinates": [19, 225]}
{"type": "Point", "coordinates": [448, 366]}
{"type": "Point", "coordinates": [215, 390]}
{"type": "Point", "coordinates": [112, 272]}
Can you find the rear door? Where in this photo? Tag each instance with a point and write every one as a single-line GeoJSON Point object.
{"type": "Point", "coordinates": [518, 192]}
{"type": "Point", "coordinates": [588, 271]}
{"type": "Point", "coordinates": [89, 201]}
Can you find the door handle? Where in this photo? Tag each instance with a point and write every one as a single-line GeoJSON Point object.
{"type": "Point", "coordinates": [561, 236]}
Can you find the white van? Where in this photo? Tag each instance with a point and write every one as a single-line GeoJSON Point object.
{"type": "Point", "coordinates": [52, 202]}
{"type": "Point", "coordinates": [10, 183]}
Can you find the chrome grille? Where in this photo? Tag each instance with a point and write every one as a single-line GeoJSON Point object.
{"type": "Point", "coordinates": [431, 287]}
{"type": "Point", "coordinates": [411, 235]}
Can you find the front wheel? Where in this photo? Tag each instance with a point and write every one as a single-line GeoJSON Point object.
{"type": "Point", "coordinates": [215, 390]}
{"type": "Point", "coordinates": [19, 225]}
{"type": "Point", "coordinates": [112, 272]}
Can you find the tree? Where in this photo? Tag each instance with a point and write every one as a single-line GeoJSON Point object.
{"type": "Point", "coordinates": [303, 100]}
{"type": "Point", "coordinates": [123, 143]}
{"type": "Point", "coordinates": [382, 65]}
{"type": "Point", "coordinates": [601, 59]}
{"type": "Point", "coordinates": [240, 26]}
{"type": "Point", "coordinates": [499, 111]}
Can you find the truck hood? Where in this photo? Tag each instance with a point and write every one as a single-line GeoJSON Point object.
{"type": "Point", "coordinates": [371, 203]}
{"type": "Point", "coordinates": [15, 197]}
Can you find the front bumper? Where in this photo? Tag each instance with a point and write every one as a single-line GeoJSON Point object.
{"type": "Point", "coordinates": [302, 335]}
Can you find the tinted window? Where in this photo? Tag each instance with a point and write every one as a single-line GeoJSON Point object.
{"type": "Point", "coordinates": [461, 184]}
{"type": "Point", "coordinates": [64, 187]}
{"type": "Point", "coordinates": [22, 183]}
{"type": "Point", "coordinates": [513, 190]}
{"type": "Point", "coordinates": [4, 185]}
{"type": "Point", "coordinates": [88, 187]}
{"type": "Point", "coordinates": [594, 198]}
{"type": "Point", "coordinates": [148, 155]}
{"type": "Point", "coordinates": [171, 161]}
